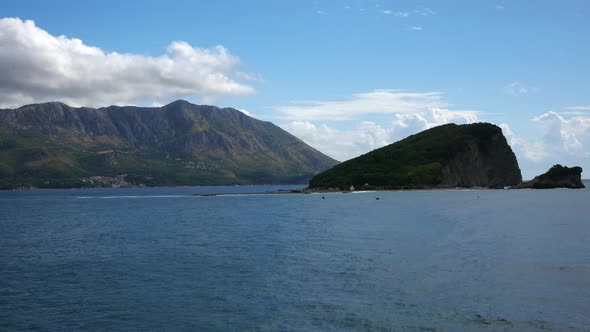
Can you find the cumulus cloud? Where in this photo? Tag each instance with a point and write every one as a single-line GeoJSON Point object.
{"type": "Point", "coordinates": [411, 123]}
{"type": "Point", "coordinates": [340, 144]}
{"type": "Point", "coordinates": [527, 152]}
{"type": "Point", "coordinates": [408, 113]}
{"type": "Point", "coordinates": [569, 135]}
{"type": "Point", "coordinates": [362, 104]}
{"type": "Point", "coordinates": [366, 136]}
{"type": "Point", "coordinates": [557, 139]}
{"type": "Point", "coordinates": [37, 66]}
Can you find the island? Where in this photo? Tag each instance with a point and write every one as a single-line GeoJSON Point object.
{"type": "Point", "coordinates": [447, 156]}
{"type": "Point", "coordinates": [557, 176]}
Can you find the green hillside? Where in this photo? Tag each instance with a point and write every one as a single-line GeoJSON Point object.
{"type": "Point", "coordinates": [53, 145]}
{"type": "Point", "coordinates": [449, 155]}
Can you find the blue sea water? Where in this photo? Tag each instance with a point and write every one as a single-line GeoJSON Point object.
{"type": "Point", "coordinates": [161, 259]}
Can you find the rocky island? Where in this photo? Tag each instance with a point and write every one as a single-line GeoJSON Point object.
{"type": "Point", "coordinates": [447, 156]}
{"type": "Point", "coordinates": [556, 177]}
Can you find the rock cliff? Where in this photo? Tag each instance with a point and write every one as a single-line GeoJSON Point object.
{"type": "Point", "coordinates": [484, 163]}
{"type": "Point", "coordinates": [556, 177]}
{"type": "Point", "coordinates": [445, 156]}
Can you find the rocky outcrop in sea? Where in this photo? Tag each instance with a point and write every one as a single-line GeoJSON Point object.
{"type": "Point", "coordinates": [556, 177]}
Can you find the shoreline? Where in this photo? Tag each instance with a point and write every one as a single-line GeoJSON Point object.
{"type": "Point", "coordinates": [303, 190]}
{"type": "Point", "coordinates": [307, 191]}
{"type": "Point", "coordinates": [145, 187]}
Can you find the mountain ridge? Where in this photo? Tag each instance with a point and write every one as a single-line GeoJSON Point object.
{"type": "Point", "coordinates": [177, 144]}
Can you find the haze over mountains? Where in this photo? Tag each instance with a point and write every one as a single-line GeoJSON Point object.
{"type": "Point", "coordinates": [55, 145]}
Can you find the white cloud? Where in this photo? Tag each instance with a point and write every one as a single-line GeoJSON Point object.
{"type": "Point", "coordinates": [424, 11]}
{"type": "Point", "coordinates": [416, 28]}
{"type": "Point", "coordinates": [396, 13]}
{"type": "Point", "coordinates": [340, 144]}
{"type": "Point", "coordinates": [518, 88]}
{"type": "Point", "coordinates": [499, 7]}
{"type": "Point", "coordinates": [554, 138]}
{"type": "Point", "coordinates": [252, 115]}
{"type": "Point", "coordinates": [362, 104]}
{"type": "Point", "coordinates": [367, 136]}
{"type": "Point", "coordinates": [564, 135]}
{"type": "Point", "coordinates": [37, 66]}
{"type": "Point", "coordinates": [525, 151]}
{"type": "Point", "coordinates": [248, 76]}
{"type": "Point", "coordinates": [411, 123]}
{"type": "Point", "coordinates": [557, 140]}
{"type": "Point", "coordinates": [579, 108]}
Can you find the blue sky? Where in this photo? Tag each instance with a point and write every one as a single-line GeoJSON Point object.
{"type": "Point", "coordinates": [345, 76]}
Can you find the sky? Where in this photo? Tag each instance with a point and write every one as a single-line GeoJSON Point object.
{"type": "Point", "coordinates": [346, 77]}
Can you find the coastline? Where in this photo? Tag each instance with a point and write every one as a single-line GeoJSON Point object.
{"type": "Point", "coordinates": [308, 191]}
{"type": "Point", "coordinates": [303, 190]}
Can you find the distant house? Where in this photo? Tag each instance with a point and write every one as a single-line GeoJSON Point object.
{"type": "Point", "coordinates": [351, 188]}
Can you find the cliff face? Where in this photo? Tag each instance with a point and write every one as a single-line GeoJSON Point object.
{"type": "Point", "coordinates": [556, 177]}
{"type": "Point", "coordinates": [54, 145]}
{"type": "Point", "coordinates": [445, 156]}
{"type": "Point", "coordinates": [487, 163]}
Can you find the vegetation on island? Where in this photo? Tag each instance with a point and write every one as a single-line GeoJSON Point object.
{"type": "Point", "coordinates": [557, 176]}
{"type": "Point", "coordinates": [558, 171]}
{"type": "Point", "coordinates": [423, 160]}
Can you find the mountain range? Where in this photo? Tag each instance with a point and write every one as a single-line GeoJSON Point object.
{"type": "Point", "coordinates": [53, 145]}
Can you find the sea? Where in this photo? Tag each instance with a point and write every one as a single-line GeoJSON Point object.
{"type": "Point", "coordinates": [161, 259]}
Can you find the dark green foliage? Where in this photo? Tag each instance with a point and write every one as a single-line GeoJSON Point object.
{"type": "Point", "coordinates": [414, 162]}
{"type": "Point", "coordinates": [557, 177]}
{"type": "Point", "coordinates": [561, 171]}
